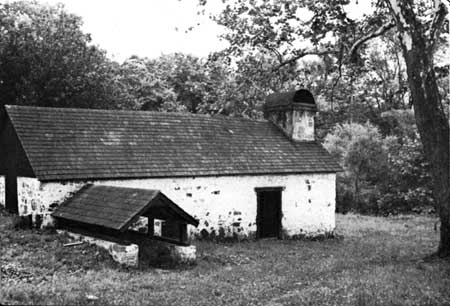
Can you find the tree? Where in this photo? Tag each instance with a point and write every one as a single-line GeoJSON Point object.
{"type": "Point", "coordinates": [406, 185]}
{"type": "Point", "coordinates": [383, 175]}
{"type": "Point", "coordinates": [46, 60]}
{"type": "Point", "coordinates": [362, 153]}
{"type": "Point", "coordinates": [173, 82]}
{"type": "Point", "coordinates": [291, 30]}
{"type": "Point", "coordinates": [246, 82]}
{"type": "Point", "coordinates": [179, 82]}
{"type": "Point", "coordinates": [418, 38]}
{"type": "Point", "coordinates": [145, 86]}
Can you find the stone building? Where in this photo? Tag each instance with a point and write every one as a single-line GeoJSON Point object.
{"type": "Point", "coordinates": [238, 177]}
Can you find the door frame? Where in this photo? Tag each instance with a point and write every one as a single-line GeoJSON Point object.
{"type": "Point", "coordinates": [258, 191]}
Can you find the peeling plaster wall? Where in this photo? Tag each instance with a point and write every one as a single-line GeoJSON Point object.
{"type": "Point", "coordinates": [36, 198]}
{"type": "Point", "coordinates": [2, 190]}
{"type": "Point", "coordinates": [226, 206]}
{"type": "Point", "coordinates": [298, 124]}
{"type": "Point", "coordinates": [303, 127]}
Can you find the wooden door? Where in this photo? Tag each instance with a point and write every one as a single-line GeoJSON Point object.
{"type": "Point", "coordinates": [269, 213]}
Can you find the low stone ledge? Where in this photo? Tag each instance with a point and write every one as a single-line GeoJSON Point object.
{"type": "Point", "coordinates": [161, 253]}
{"type": "Point", "coordinates": [184, 254]}
{"type": "Point", "coordinates": [145, 253]}
{"type": "Point", "coordinates": [127, 255]}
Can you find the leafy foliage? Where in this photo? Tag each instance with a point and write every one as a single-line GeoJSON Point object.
{"type": "Point", "coordinates": [141, 86]}
{"type": "Point", "coordinates": [174, 82]}
{"type": "Point", "coordinates": [45, 59]}
{"type": "Point", "coordinates": [361, 151]}
{"type": "Point", "coordinates": [408, 183]}
{"type": "Point", "coordinates": [291, 30]}
{"type": "Point", "coordinates": [382, 174]}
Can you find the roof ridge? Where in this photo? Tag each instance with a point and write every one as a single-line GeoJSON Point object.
{"type": "Point", "coordinates": [127, 111]}
{"type": "Point", "coordinates": [126, 188]}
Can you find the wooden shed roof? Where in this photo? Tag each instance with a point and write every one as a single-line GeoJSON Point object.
{"type": "Point", "coordinates": [78, 144]}
{"type": "Point", "coordinates": [117, 207]}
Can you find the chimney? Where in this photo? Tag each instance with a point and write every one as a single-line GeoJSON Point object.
{"type": "Point", "coordinates": [293, 112]}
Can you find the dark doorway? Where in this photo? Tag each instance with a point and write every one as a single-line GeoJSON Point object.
{"type": "Point", "coordinates": [268, 218]}
{"type": "Point", "coordinates": [11, 200]}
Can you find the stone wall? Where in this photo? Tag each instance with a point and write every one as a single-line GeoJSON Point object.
{"type": "Point", "coordinates": [226, 206]}
{"type": "Point", "coordinates": [297, 125]}
{"type": "Point", "coordinates": [2, 190]}
{"type": "Point", "coordinates": [146, 253]}
{"type": "Point", "coordinates": [36, 198]}
{"type": "Point", "coordinates": [160, 253]}
{"type": "Point", "coordinates": [127, 255]}
{"type": "Point", "coordinates": [303, 127]}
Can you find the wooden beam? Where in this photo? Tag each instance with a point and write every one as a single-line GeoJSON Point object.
{"type": "Point", "coordinates": [150, 227]}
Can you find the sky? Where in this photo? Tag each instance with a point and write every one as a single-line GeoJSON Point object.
{"type": "Point", "coordinates": [149, 28]}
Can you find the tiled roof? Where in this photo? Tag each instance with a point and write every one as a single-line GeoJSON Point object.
{"type": "Point", "coordinates": [117, 207]}
{"type": "Point", "coordinates": [70, 144]}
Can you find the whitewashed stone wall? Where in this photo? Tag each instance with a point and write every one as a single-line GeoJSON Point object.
{"type": "Point", "coordinates": [303, 127]}
{"type": "Point", "coordinates": [2, 190]}
{"type": "Point", "coordinates": [36, 198]}
{"type": "Point", "coordinates": [225, 206]}
{"type": "Point", "coordinates": [296, 124]}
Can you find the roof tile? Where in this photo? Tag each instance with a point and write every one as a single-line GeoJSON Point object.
{"type": "Point", "coordinates": [114, 207]}
{"type": "Point", "coordinates": [65, 144]}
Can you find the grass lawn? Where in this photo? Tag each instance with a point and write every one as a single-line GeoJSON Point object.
{"type": "Point", "coordinates": [379, 261]}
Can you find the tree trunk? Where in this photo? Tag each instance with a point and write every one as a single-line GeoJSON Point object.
{"type": "Point", "coordinates": [356, 196]}
{"type": "Point", "coordinates": [433, 127]}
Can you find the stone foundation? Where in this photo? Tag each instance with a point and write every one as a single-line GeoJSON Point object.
{"type": "Point", "coordinates": [127, 255]}
{"type": "Point", "coordinates": [148, 253]}
{"type": "Point", "coordinates": [160, 253]}
{"type": "Point", "coordinates": [184, 254]}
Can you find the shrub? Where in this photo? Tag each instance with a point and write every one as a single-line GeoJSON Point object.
{"type": "Point", "coordinates": [408, 184]}
{"type": "Point", "coordinates": [382, 175]}
{"type": "Point", "coordinates": [361, 151]}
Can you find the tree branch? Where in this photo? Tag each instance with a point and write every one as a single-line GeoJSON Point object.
{"type": "Point", "coordinates": [299, 56]}
{"type": "Point", "coordinates": [437, 22]}
{"type": "Point", "coordinates": [380, 31]}
{"type": "Point", "coordinates": [340, 60]}
{"type": "Point", "coordinates": [275, 51]}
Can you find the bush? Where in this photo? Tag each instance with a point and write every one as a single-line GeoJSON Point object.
{"type": "Point", "coordinates": [382, 175]}
{"type": "Point", "coordinates": [408, 185]}
{"type": "Point", "coordinates": [361, 151]}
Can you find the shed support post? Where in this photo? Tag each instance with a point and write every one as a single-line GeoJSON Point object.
{"type": "Point", "coordinates": [183, 232]}
{"type": "Point", "coordinates": [151, 227]}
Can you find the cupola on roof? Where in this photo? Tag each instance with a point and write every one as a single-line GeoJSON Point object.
{"type": "Point", "coordinates": [296, 99]}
